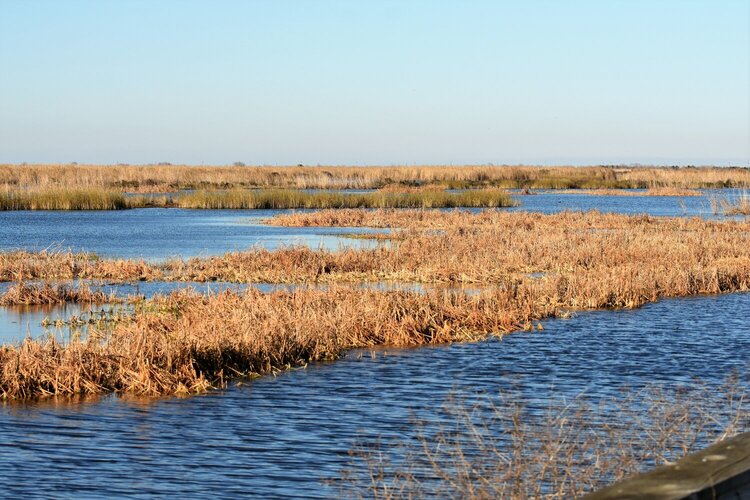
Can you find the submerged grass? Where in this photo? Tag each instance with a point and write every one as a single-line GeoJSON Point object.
{"type": "Point", "coordinates": [731, 205]}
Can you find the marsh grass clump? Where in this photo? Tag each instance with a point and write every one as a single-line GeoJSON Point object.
{"type": "Point", "coordinates": [47, 294]}
{"type": "Point", "coordinates": [280, 199]}
{"type": "Point", "coordinates": [63, 199]}
{"type": "Point", "coordinates": [240, 199]}
{"type": "Point", "coordinates": [498, 447]}
{"type": "Point", "coordinates": [731, 205]}
{"type": "Point", "coordinates": [187, 343]}
{"type": "Point", "coordinates": [58, 264]}
{"type": "Point", "coordinates": [656, 191]}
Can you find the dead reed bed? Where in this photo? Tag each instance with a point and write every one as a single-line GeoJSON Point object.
{"type": "Point", "coordinates": [47, 294]}
{"type": "Point", "coordinates": [497, 447]}
{"type": "Point", "coordinates": [166, 178]}
{"type": "Point", "coordinates": [187, 343]}
{"type": "Point", "coordinates": [671, 256]}
{"type": "Point", "coordinates": [56, 264]}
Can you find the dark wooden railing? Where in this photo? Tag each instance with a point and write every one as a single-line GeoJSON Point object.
{"type": "Point", "coordinates": [721, 471]}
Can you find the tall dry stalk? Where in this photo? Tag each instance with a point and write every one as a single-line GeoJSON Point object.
{"type": "Point", "coordinates": [499, 448]}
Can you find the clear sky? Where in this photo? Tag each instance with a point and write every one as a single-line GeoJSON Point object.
{"type": "Point", "coordinates": [375, 82]}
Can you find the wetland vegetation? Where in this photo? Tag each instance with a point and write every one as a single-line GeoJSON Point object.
{"type": "Point", "coordinates": [108, 199]}
{"type": "Point", "coordinates": [524, 268]}
{"type": "Point", "coordinates": [170, 178]}
{"type": "Point", "coordinates": [535, 266]}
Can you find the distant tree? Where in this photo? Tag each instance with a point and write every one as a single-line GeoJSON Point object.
{"type": "Point", "coordinates": [238, 164]}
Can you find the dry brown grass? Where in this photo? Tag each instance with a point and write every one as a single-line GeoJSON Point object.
{"type": "Point", "coordinates": [165, 178]}
{"type": "Point", "coordinates": [46, 294]}
{"type": "Point", "coordinates": [187, 343]}
{"type": "Point", "coordinates": [55, 264]}
{"type": "Point", "coordinates": [662, 256]}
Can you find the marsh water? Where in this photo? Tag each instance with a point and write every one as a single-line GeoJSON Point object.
{"type": "Point", "coordinates": [157, 234]}
{"type": "Point", "coordinates": [160, 233]}
{"type": "Point", "coordinates": [282, 436]}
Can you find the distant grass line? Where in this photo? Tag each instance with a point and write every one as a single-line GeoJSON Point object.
{"type": "Point", "coordinates": [277, 199]}
{"type": "Point", "coordinates": [100, 199]}
{"type": "Point", "coordinates": [169, 178]}
{"type": "Point", "coordinates": [64, 199]}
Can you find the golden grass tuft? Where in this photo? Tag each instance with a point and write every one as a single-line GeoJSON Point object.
{"type": "Point", "coordinates": [731, 205]}
{"type": "Point", "coordinates": [54, 264]}
{"type": "Point", "coordinates": [46, 294]}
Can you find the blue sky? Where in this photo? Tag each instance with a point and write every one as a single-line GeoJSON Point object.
{"type": "Point", "coordinates": [375, 82]}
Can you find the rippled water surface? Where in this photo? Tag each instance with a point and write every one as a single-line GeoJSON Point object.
{"type": "Point", "coordinates": [672, 206]}
{"type": "Point", "coordinates": [278, 436]}
{"type": "Point", "coordinates": [157, 234]}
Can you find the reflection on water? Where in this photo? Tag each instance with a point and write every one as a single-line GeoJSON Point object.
{"type": "Point", "coordinates": [277, 436]}
{"type": "Point", "coordinates": [63, 322]}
